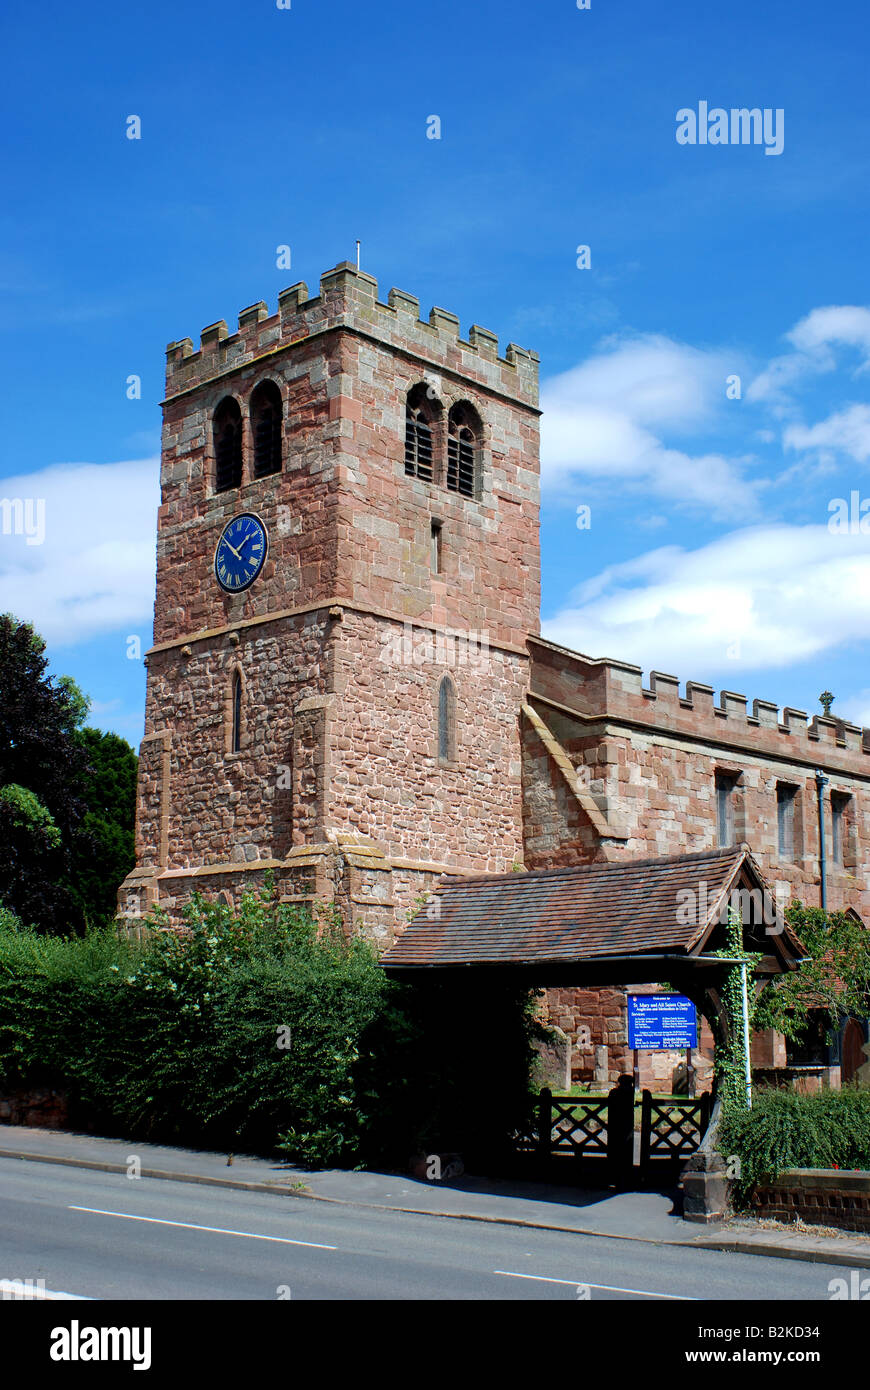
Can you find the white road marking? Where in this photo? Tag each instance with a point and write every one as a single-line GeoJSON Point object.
{"type": "Point", "coordinates": [215, 1230]}
{"type": "Point", "coordinates": [609, 1288]}
{"type": "Point", "coordinates": [17, 1289]}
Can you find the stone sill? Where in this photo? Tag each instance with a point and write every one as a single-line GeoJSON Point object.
{"type": "Point", "coordinates": [832, 1179]}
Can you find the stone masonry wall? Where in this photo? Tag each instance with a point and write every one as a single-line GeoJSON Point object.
{"type": "Point", "coordinates": [226, 807]}
{"type": "Point", "coordinates": [386, 779]}
{"type": "Point", "coordinates": [338, 746]}
{"type": "Point", "coordinates": [651, 759]}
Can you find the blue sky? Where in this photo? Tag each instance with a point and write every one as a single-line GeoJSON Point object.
{"type": "Point", "coordinates": [709, 553]}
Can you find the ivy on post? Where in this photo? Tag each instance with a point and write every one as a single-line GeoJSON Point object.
{"type": "Point", "coordinates": [732, 1050]}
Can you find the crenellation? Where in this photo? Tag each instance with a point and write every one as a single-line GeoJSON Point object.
{"type": "Point", "coordinates": [825, 729]}
{"type": "Point", "coordinates": [853, 737]}
{"type": "Point", "coordinates": [175, 352]}
{"type": "Point", "coordinates": [349, 299]}
{"type": "Point", "coordinates": [663, 687]}
{"type": "Point", "coordinates": [699, 697]}
{"type": "Point", "coordinates": [444, 322]}
{"type": "Point", "coordinates": [290, 301]}
{"type": "Point", "coordinates": [794, 721]}
{"type": "Point", "coordinates": [404, 303]}
{"type": "Point", "coordinates": [253, 314]}
{"type": "Point", "coordinates": [765, 713]}
{"type": "Point", "coordinates": [732, 705]}
{"type": "Point", "coordinates": [485, 342]}
{"type": "Point", "coordinates": [211, 336]}
{"type": "Point", "coordinates": [604, 688]}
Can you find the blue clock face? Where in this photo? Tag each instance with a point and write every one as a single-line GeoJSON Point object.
{"type": "Point", "coordinates": [241, 553]}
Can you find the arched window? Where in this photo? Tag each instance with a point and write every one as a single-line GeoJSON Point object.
{"type": "Point", "coordinates": [236, 732]}
{"type": "Point", "coordinates": [267, 418]}
{"type": "Point", "coordinates": [463, 447]}
{"type": "Point", "coordinates": [446, 721]}
{"type": "Point", "coordinates": [421, 429]}
{"type": "Point", "coordinates": [228, 445]}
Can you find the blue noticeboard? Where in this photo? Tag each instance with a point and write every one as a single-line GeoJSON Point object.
{"type": "Point", "coordinates": [661, 1022]}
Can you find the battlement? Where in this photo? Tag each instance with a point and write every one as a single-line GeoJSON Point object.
{"type": "Point", "coordinates": [349, 299]}
{"type": "Point", "coordinates": [603, 688]}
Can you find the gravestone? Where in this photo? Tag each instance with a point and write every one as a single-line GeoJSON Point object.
{"type": "Point", "coordinates": [553, 1064]}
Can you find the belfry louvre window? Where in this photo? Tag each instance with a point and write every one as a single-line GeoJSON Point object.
{"type": "Point", "coordinates": [267, 419]}
{"type": "Point", "coordinates": [419, 442]}
{"type": "Point", "coordinates": [463, 436]}
{"type": "Point", "coordinates": [228, 445]}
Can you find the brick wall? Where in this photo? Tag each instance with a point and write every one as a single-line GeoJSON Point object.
{"type": "Point", "coordinates": [818, 1196]}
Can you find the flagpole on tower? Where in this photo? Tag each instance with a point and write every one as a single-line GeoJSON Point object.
{"type": "Point", "coordinates": [357, 254]}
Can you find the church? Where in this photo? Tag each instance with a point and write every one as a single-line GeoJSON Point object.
{"type": "Point", "coordinates": [348, 687]}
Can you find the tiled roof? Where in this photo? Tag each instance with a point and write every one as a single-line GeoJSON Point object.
{"type": "Point", "coordinates": [585, 912]}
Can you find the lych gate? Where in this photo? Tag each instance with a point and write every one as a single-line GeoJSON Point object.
{"type": "Point", "coordinates": [634, 922]}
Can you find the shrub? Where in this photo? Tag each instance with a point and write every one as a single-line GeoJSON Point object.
{"type": "Point", "coordinates": [182, 1037]}
{"type": "Point", "coordinates": [786, 1130]}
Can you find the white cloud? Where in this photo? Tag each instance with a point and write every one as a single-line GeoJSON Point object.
{"type": "Point", "coordinates": [94, 572]}
{"type": "Point", "coordinates": [761, 597]}
{"type": "Point", "coordinates": [606, 419]}
{"type": "Point", "coordinates": [815, 337]}
{"type": "Point", "coordinates": [847, 431]}
{"type": "Point", "coordinates": [847, 325]}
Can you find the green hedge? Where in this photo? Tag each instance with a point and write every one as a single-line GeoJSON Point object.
{"type": "Point", "coordinates": [830, 1129]}
{"type": "Point", "coordinates": [176, 1039]}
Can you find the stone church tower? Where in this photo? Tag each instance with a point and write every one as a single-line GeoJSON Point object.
{"type": "Point", "coordinates": [334, 685]}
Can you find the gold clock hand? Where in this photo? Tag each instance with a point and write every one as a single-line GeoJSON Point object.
{"type": "Point", "coordinates": [232, 548]}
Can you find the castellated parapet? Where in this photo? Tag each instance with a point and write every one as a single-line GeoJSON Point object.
{"type": "Point", "coordinates": [616, 768]}
{"type": "Point", "coordinates": [602, 688]}
{"type": "Point", "coordinates": [348, 300]}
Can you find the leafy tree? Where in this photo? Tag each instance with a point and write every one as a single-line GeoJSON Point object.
{"type": "Point", "coordinates": [834, 980]}
{"type": "Point", "coordinates": [103, 847]}
{"type": "Point", "coordinates": [41, 764]}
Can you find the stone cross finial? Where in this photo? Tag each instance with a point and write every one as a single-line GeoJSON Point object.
{"type": "Point", "coordinates": [826, 699]}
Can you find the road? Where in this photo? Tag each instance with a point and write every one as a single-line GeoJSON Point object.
{"type": "Point", "coordinates": [106, 1236]}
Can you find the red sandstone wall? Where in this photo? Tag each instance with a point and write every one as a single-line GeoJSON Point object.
{"type": "Point", "coordinates": [229, 807]}
{"type": "Point", "coordinates": [298, 505]}
{"type": "Point", "coordinates": [336, 742]}
{"type": "Point", "coordinates": [650, 759]}
{"type": "Point", "coordinates": [386, 779]}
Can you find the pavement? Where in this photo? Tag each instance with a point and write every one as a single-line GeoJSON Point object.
{"type": "Point", "coordinates": [648, 1216]}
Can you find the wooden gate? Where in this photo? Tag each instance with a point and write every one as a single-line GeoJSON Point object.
{"type": "Point", "coordinates": [671, 1129]}
{"type": "Point", "coordinates": [598, 1134]}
